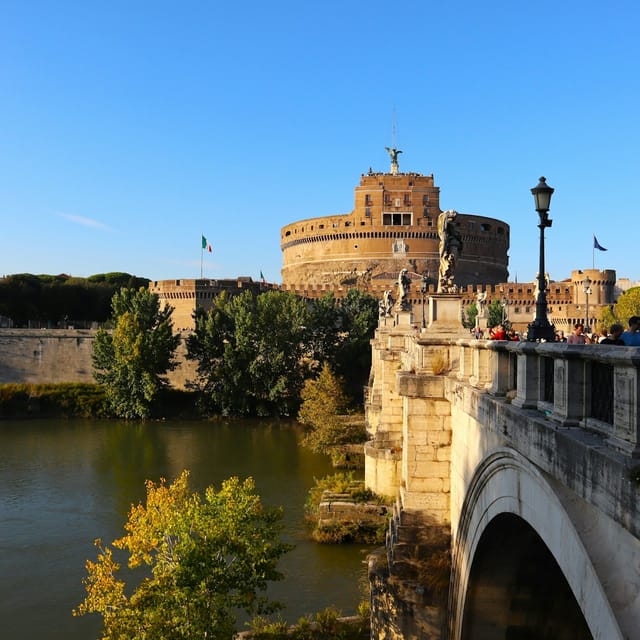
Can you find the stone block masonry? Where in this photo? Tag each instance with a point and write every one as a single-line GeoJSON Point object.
{"type": "Point", "coordinates": [46, 356]}
{"type": "Point", "coordinates": [53, 356]}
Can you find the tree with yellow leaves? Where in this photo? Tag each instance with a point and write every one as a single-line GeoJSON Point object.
{"type": "Point", "coordinates": [208, 557]}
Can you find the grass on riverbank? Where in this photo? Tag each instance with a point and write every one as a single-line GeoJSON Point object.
{"type": "Point", "coordinates": [82, 400]}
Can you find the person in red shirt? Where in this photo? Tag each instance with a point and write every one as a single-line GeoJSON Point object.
{"type": "Point", "coordinates": [497, 333]}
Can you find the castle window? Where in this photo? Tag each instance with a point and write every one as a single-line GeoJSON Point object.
{"type": "Point", "coordinates": [288, 233]}
{"type": "Point", "coordinates": [347, 224]}
{"type": "Point", "coordinates": [367, 212]}
{"type": "Point", "coordinates": [500, 231]}
{"type": "Point", "coordinates": [321, 226]}
{"type": "Point", "coordinates": [407, 200]}
{"type": "Point", "coordinates": [396, 219]}
{"type": "Point", "coordinates": [425, 212]}
{"type": "Point", "coordinates": [367, 200]}
{"type": "Point", "coordinates": [387, 199]}
{"type": "Point", "coordinates": [425, 199]}
{"type": "Point", "coordinates": [485, 227]}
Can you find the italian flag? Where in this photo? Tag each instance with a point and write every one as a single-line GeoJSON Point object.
{"type": "Point", "coordinates": [206, 245]}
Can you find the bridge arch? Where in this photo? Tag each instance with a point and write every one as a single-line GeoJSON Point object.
{"type": "Point", "coordinates": [509, 491]}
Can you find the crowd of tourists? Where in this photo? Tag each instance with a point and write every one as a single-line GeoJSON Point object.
{"type": "Point", "coordinates": [616, 334]}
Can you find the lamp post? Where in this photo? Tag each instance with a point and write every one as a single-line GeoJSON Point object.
{"type": "Point", "coordinates": [587, 291]}
{"type": "Point", "coordinates": [541, 328]}
{"type": "Point", "coordinates": [424, 287]}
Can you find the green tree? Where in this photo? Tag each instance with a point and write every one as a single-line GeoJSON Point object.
{"type": "Point", "coordinates": [357, 321]}
{"type": "Point", "coordinates": [628, 305]}
{"type": "Point", "coordinates": [250, 353]}
{"type": "Point", "coordinates": [494, 313]}
{"type": "Point", "coordinates": [323, 335]}
{"type": "Point", "coordinates": [208, 557]}
{"type": "Point", "coordinates": [131, 362]}
{"type": "Point", "coordinates": [470, 313]}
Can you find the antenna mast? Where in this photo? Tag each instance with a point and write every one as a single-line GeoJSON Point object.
{"type": "Point", "coordinates": [393, 128]}
{"type": "Point", "coordinates": [393, 151]}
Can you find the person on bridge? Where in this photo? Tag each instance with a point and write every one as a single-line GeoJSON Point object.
{"type": "Point", "coordinates": [615, 331]}
{"type": "Point", "coordinates": [578, 336]}
{"type": "Point", "coordinates": [631, 337]}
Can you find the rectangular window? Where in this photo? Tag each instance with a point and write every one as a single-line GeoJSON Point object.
{"type": "Point", "coordinates": [393, 218]}
{"type": "Point", "coordinates": [407, 200]}
{"type": "Point", "coordinates": [367, 212]}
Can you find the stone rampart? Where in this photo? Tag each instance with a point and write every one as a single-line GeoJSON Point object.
{"type": "Point", "coordinates": [52, 356]}
{"type": "Point", "coordinates": [46, 356]}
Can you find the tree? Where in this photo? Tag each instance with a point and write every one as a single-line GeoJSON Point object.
{"type": "Point", "coordinates": [494, 313]}
{"type": "Point", "coordinates": [628, 305]}
{"type": "Point", "coordinates": [132, 361]}
{"type": "Point", "coordinates": [323, 335]}
{"type": "Point", "coordinates": [208, 557]}
{"type": "Point", "coordinates": [324, 404]}
{"type": "Point", "coordinates": [357, 321]}
{"type": "Point", "coordinates": [250, 353]}
{"type": "Point", "coordinates": [471, 313]}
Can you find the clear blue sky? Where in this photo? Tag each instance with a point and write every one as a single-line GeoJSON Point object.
{"type": "Point", "coordinates": [128, 129]}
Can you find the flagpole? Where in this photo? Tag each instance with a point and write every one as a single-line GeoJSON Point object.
{"type": "Point", "coordinates": [201, 258]}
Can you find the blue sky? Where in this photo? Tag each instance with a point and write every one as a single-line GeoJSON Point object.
{"type": "Point", "coordinates": [128, 129]}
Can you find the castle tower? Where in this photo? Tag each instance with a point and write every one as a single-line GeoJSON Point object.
{"type": "Point", "coordinates": [392, 226]}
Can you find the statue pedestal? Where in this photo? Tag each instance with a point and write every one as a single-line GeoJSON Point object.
{"type": "Point", "coordinates": [445, 313]}
{"type": "Point", "coordinates": [404, 319]}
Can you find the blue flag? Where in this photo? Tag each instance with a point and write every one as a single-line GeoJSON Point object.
{"type": "Point", "coordinates": [597, 245]}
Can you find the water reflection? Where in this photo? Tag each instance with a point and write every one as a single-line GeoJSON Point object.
{"type": "Point", "coordinates": [63, 484]}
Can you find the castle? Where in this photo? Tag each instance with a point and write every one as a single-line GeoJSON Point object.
{"type": "Point", "coordinates": [393, 226]}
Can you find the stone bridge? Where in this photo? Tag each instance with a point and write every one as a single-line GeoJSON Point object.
{"type": "Point", "coordinates": [515, 467]}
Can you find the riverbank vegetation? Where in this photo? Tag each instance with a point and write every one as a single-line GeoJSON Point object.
{"type": "Point", "coordinates": [253, 354]}
{"type": "Point", "coordinates": [208, 556]}
{"type": "Point", "coordinates": [131, 362]}
{"type": "Point", "coordinates": [341, 509]}
{"type": "Point", "coordinates": [65, 400]}
{"type": "Point", "coordinates": [332, 428]}
{"type": "Point", "coordinates": [327, 624]}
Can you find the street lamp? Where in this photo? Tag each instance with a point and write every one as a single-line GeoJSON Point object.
{"type": "Point", "coordinates": [424, 287]}
{"type": "Point", "coordinates": [587, 291]}
{"type": "Point", "coordinates": [541, 328]}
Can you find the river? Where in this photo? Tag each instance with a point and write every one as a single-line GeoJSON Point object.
{"type": "Point", "coordinates": [65, 483]}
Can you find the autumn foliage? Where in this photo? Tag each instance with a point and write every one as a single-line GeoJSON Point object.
{"type": "Point", "coordinates": [207, 557]}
